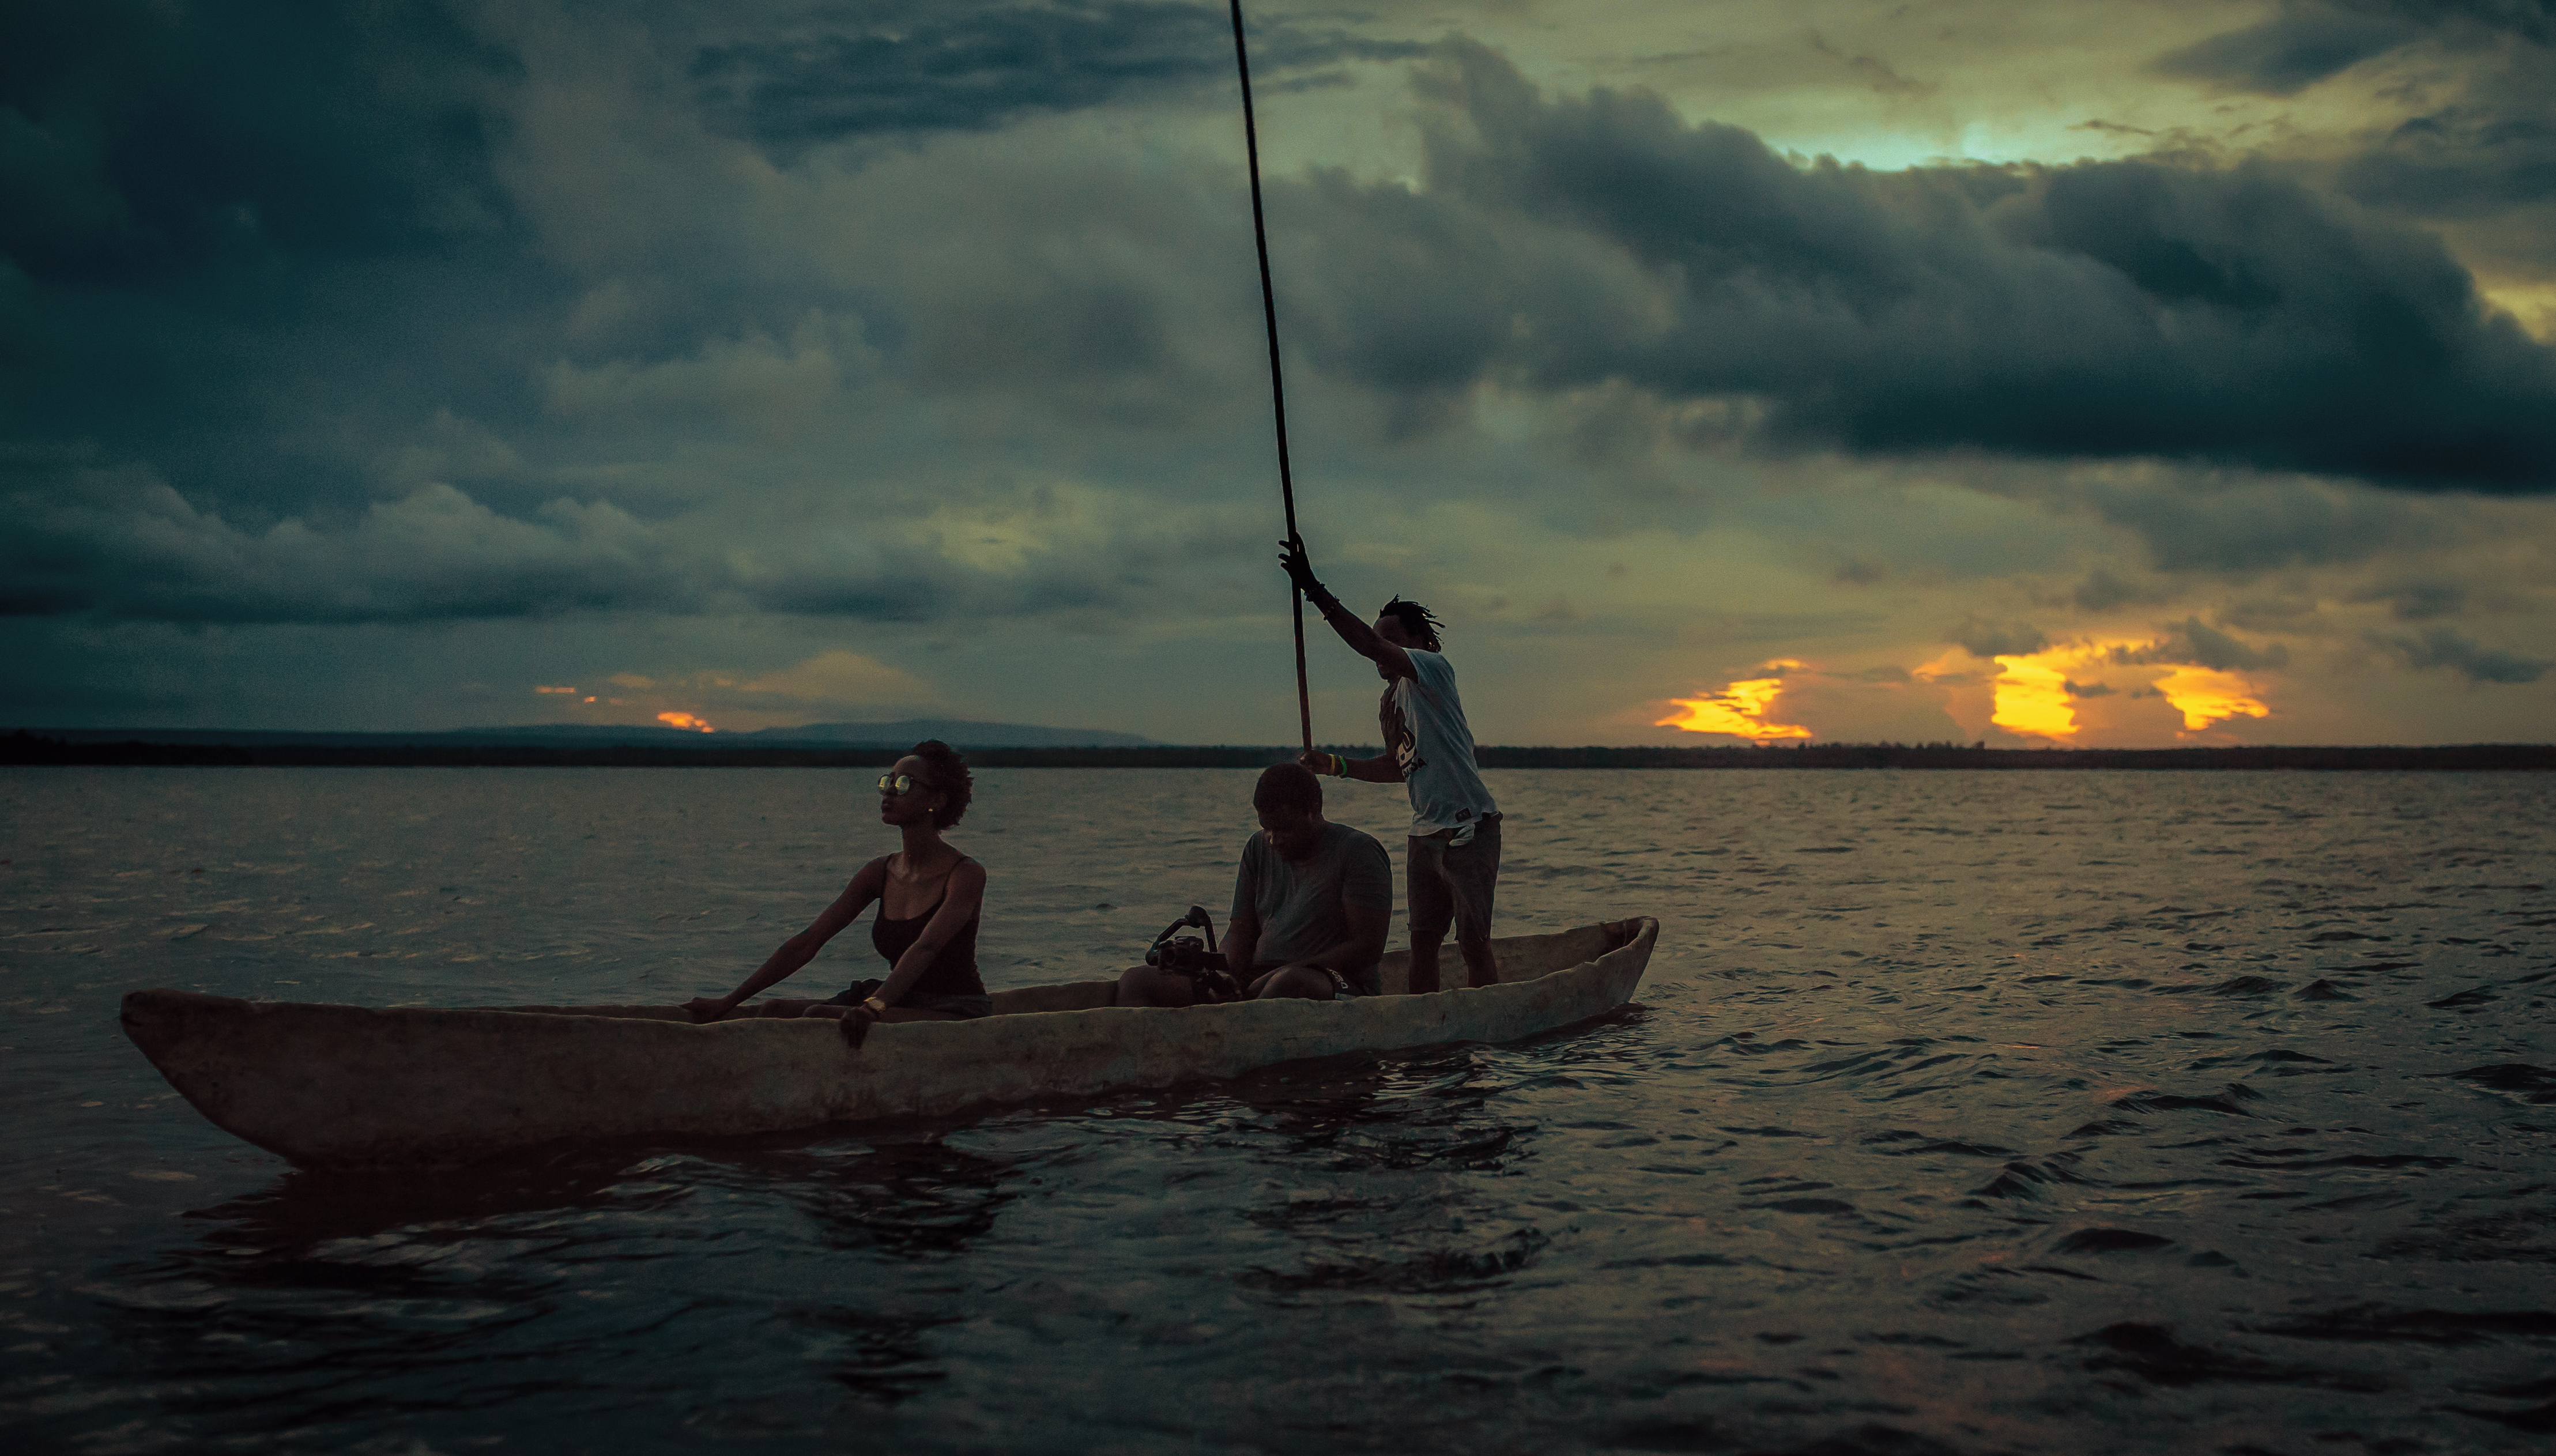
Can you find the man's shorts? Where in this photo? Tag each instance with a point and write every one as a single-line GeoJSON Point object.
{"type": "Point", "coordinates": [1454, 883]}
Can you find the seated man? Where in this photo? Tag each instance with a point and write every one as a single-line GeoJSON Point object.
{"type": "Point", "coordinates": [1310, 905]}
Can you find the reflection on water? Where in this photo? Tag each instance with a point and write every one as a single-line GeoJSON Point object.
{"type": "Point", "coordinates": [1958, 1113]}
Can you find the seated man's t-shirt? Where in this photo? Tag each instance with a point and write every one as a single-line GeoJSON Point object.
{"type": "Point", "coordinates": [1299, 904]}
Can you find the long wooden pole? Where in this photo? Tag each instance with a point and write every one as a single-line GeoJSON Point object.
{"type": "Point", "coordinates": [1277, 380]}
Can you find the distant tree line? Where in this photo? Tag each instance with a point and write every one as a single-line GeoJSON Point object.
{"type": "Point", "coordinates": [24, 748]}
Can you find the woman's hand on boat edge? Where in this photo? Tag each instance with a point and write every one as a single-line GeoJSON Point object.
{"type": "Point", "coordinates": [856, 1025]}
{"type": "Point", "coordinates": [854, 1020]}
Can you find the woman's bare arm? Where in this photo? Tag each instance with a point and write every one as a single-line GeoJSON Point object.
{"type": "Point", "coordinates": [866, 885]}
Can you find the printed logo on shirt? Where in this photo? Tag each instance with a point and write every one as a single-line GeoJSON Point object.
{"type": "Point", "coordinates": [1399, 740]}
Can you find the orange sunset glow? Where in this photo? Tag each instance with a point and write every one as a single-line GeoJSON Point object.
{"type": "Point", "coordinates": [2205, 696]}
{"type": "Point", "coordinates": [2038, 693]}
{"type": "Point", "coordinates": [685, 721]}
{"type": "Point", "coordinates": [1739, 709]}
{"type": "Point", "coordinates": [2032, 696]}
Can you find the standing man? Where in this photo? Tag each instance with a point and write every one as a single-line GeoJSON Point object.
{"type": "Point", "coordinates": [1455, 854]}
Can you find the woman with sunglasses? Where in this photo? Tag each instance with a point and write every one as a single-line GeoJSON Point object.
{"type": "Point", "coordinates": [929, 896]}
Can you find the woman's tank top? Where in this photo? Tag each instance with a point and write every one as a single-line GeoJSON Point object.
{"type": "Point", "coordinates": [953, 971]}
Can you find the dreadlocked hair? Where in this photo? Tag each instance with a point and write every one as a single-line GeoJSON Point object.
{"type": "Point", "coordinates": [1419, 621]}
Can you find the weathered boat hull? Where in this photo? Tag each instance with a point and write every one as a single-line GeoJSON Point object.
{"type": "Point", "coordinates": [339, 1086]}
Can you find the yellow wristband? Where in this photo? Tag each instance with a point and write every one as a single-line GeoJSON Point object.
{"type": "Point", "coordinates": [874, 1007]}
{"type": "Point", "coordinates": [1340, 767]}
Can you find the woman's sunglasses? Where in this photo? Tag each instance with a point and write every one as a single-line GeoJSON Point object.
{"type": "Point", "coordinates": [899, 782]}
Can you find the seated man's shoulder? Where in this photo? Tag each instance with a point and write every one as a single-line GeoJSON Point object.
{"type": "Point", "coordinates": [1358, 852]}
{"type": "Point", "coordinates": [1353, 839]}
{"type": "Point", "coordinates": [1364, 872]}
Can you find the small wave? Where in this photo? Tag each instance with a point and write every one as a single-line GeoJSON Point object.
{"type": "Point", "coordinates": [2025, 1180]}
{"type": "Point", "coordinates": [1431, 1271]}
{"type": "Point", "coordinates": [2382, 1324]}
{"type": "Point", "coordinates": [2111, 1240]}
{"type": "Point", "coordinates": [1941, 1145]}
{"type": "Point", "coordinates": [2239, 986]}
{"type": "Point", "coordinates": [2523, 1391]}
{"type": "Point", "coordinates": [2518, 1236]}
{"type": "Point", "coordinates": [2539, 1420]}
{"type": "Point", "coordinates": [2274, 1055]}
{"type": "Point", "coordinates": [1675, 1261]}
{"type": "Point", "coordinates": [1807, 1205]}
{"type": "Point", "coordinates": [2356, 1159]}
{"type": "Point", "coordinates": [2533, 1085]}
{"type": "Point", "coordinates": [2220, 1101]}
{"type": "Point", "coordinates": [2151, 1353]}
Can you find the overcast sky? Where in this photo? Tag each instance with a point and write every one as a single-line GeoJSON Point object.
{"type": "Point", "coordinates": [2124, 372]}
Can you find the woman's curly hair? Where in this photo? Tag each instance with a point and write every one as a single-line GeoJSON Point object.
{"type": "Point", "coordinates": [944, 769]}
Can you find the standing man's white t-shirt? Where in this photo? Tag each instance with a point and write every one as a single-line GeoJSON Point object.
{"type": "Point", "coordinates": [1426, 732]}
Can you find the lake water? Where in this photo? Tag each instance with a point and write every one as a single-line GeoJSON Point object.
{"type": "Point", "coordinates": [2027, 1112]}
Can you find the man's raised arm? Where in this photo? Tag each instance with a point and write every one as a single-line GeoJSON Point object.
{"type": "Point", "coordinates": [1359, 635]}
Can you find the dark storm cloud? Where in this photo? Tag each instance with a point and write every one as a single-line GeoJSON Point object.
{"type": "Point", "coordinates": [2101, 591]}
{"type": "Point", "coordinates": [117, 542]}
{"type": "Point", "coordinates": [2303, 45]}
{"type": "Point", "coordinates": [2311, 40]}
{"type": "Point", "coordinates": [2126, 309]}
{"type": "Point", "coordinates": [253, 236]}
{"type": "Point", "coordinates": [257, 262]}
{"type": "Point", "coordinates": [2196, 641]}
{"type": "Point", "coordinates": [2486, 142]}
{"type": "Point", "coordinates": [2192, 641]}
{"type": "Point", "coordinates": [255, 253]}
{"type": "Point", "coordinates": [2417, 601]}
{"type": "Point", "coordinates": [1985, 639]}
{"type": "Point", "coordinates": [2460, 162]}
{"type": "Point", "coordinates": [2489, 147]}
{"type": "Point", "coordinates": [940, 67]}
{"type": "Point", "coordinates": [139, 139]}
{"type": "Point", "coordinates": [2247, 526]}
{"type": "Point", "coordinates": [2441, 647]}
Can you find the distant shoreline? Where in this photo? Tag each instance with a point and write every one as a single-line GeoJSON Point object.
{"type": "Point", "coordinates": [26, 749]}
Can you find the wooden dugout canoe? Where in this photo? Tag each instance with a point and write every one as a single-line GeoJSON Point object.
{"type": "Point", "coordinates": [345, 1086]}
